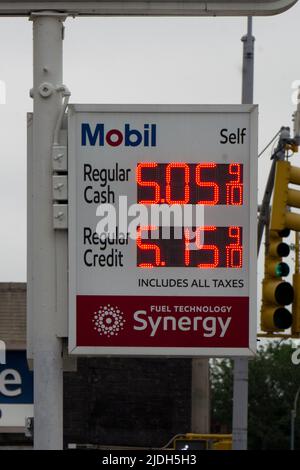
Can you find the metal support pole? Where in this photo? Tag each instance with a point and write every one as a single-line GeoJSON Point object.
{"type": "Point", "coordinates": [248, 64]}
{"type": "Point", "coordinates": [278, 154]}
{"type": "Point", "coordinates": [240, 404]}
{"type": "Point", "coordinates": [47, 348]}
{"type": "Point", "coordinates": [200, 418]}
{"type": "Point", "coordinates": [265, 205]}
{"type": "Point", "coordinates": [293, 417]}
{"type": "Point", "coordinates": [240, 385]}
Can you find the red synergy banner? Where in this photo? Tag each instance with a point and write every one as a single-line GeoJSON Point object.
{"type": "Point", "coordinates": [208, 322]}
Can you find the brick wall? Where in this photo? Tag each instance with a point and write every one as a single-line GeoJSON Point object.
{"type": "Point", "coordinates": [132, 402]}
{"type": "Point", "coordinates": [13, 313]}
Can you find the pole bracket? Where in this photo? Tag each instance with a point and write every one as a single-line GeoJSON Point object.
{"type": "Point", "coordinates": [60, 216]}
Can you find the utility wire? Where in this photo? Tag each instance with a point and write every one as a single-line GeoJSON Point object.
{"type": "Point", "coordinates": [272, 140]}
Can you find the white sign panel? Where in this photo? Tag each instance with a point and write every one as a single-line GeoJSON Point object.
{"type": "Point", "coordinates": [14, 415]}
{"type": "Point", "coordinates": [162, 229]}
{"type": "Point", "coordinates": [149, 8]}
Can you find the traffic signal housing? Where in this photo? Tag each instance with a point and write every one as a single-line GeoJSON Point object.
{"type": "Point", "coordinates": [296, 285]}
{"type": "Point", "coordinates": [296, 305]}
{"type": "Point", "coordinates": [285, 197]}
{"type": "Point", "coordinates": [276, 292]}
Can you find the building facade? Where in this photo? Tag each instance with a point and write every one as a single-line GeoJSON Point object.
{"type": "Point", "coordinates": [139, 402]}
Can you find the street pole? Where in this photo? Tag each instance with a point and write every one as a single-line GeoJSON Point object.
{"type": "Point", "coordinates": [293, 417]}
{"type": "Point", "coordinates": [240, 404]}
{"type": "Point", "coordinates": [278, 154]}
{"type": "Point", "coordinates": [248, 64]}
{"type": "Point", "coordinates": [200, 403]}
{"type": "Point", "coordinates": [240, 378]}
{"type": "Point", "coordinates": [265, 205]}
{"type": "Point", "coordinates": [47, 348]}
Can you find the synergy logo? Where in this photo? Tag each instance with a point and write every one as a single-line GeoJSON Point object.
{"type": "Point", "coordinates": [108, 321]}
{"type": "Point", "coordinates": [129, 137]}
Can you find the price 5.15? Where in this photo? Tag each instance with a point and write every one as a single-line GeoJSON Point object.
{"type": "Point", "coordinates": [207, 247]}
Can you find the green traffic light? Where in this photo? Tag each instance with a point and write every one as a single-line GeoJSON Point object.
{"type": "Point", "coordinates": [282, 269]}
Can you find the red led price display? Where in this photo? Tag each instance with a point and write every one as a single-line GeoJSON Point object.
{"type": "Point", "coordinates": [206, 183]}
{"type": "Point", "coordinates": [207, 247]}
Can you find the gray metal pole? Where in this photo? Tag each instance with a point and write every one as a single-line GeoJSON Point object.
{"type": "Point", "coordinates": [265, 205]}
{"type": "Point", "coordinates": [240, 380]}
{"type": "Point", "coordinates": [240, 404]}
{"type": "Point", "coordinates": [248, 64]}
{"type": "Point", "coordinates": [200, 403]}
{"type": "Point", "coordinates": [47, 348]}
{"type": "Point", "coordinates": [293, 417]}
{"type": "Point", "coordinates": [278, 154]}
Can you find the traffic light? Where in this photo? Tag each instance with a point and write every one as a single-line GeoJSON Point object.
{"type": "Point", "coordinates": [276, 292]}
{"type": "Point", "coordinates": [285, 197]}
{"type": "Point", "coordinates": [296, 305]}
{"type": "Point", "coordinates": [296, 285]}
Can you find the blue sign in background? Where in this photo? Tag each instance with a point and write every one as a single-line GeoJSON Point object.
{"type": "Point", "coordinates": [17, 360]}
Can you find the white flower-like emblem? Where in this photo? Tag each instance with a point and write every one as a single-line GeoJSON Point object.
{"type": "Point", "coordinates": [108, 321]}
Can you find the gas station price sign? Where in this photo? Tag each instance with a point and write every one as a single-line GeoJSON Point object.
{"type": "Point", "coordinates": [162, 229]}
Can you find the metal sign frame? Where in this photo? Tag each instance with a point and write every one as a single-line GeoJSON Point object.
{"type": "Point", "coordinates": [74, 348]}
{"type": "Point", "coordinates": [148, 8]}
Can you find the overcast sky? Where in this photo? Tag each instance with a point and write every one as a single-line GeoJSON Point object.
{"type": "Point", "coordinates": [140, 60]}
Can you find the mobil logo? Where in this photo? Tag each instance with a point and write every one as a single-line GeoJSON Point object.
{"type": "Point", "coordinates": [100, 135]}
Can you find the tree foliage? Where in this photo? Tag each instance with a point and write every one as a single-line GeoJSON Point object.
{"type": "Point", "coordinates": [273, 383]}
